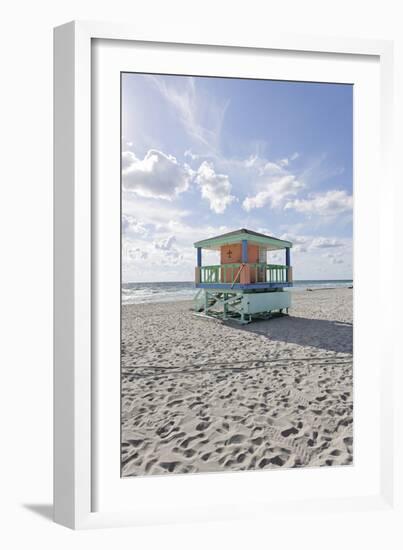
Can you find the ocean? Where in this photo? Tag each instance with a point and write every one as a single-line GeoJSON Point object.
{"type": "Point", "coordinates": [141, 293]}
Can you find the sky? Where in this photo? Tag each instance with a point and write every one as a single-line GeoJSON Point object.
{"type": "Point", "coordinates": [202, 156]}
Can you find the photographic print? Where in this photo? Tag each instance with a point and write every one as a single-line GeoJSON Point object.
{"type": "Point", "coordinates": [236, 274]}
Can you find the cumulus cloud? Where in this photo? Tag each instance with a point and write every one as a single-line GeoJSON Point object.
{"type": "Point", "coordinates": [216, 188]}
{"type": "Point", "coordinates": [167, 250]}
{"type": "Point", "coordinates": [165, 244]}
{"type": "Point", "coordinates": [191, 155]}
{"type": "Point", "coordinates": [299, 248]}
{"type": "Point", "coordinates": [264, 230]}
{"type": "Point", "coordinates": [287, 160]}
{"type": "Point", "coordinates": [308, 243]}
{"type": "Point", "coordinates": [136, 254]}
{"type": "Point", "coordinates": [324, 204]}
{"type": "Point", "coordinates": [300, 243]}
{"type": "Point", "coordinates": [128, 158]}
{"type": "Point", "coordinates": [323, 242]}
{"type": "Point", "coordinates": [131, 226]}
{"type": "Point", "coordinates": [251, 161]}
{"type": "Point", "coordinates": [275, 257]}
{"type": "Point", "coordinates": [334, 258]}
{"type": "Point", "coordinates": [158, 175]}
{"type": "Point", "coordinates": [275, 192]}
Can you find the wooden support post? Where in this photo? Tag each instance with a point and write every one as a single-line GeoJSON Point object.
{"type": "Point", "coordinates": [244, 277]}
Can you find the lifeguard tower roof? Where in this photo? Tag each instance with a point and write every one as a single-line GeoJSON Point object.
{"type": "Point", "coordinates": [264, 241]}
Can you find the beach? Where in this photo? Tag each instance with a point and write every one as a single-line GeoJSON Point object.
{"type": "Point", "coordinates": [200, 395]}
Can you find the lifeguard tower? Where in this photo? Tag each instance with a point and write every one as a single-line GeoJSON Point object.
{"type": "Point", "coordinates": [244, 286]}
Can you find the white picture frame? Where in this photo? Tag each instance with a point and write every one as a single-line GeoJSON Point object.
{"type": "Point", "coordinates": [77, 420]}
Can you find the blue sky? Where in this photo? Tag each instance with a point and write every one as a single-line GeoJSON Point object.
{"type": "Point", "coordinates": [202, 156]}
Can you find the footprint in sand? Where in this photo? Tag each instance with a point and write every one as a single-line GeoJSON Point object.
{"type": "Point", "coordinates": [186, 442]}
{"type": "Point", "coordinates": [150, 464]}
{"type": "Point", "coordinates": [170, 466]}
{"type": "Point", "coordinates": [202, 426]}
{"type": "Point", "coordinates": [257, 441]}
{"type": "Point", "coordinates": [189, 453]}
{"type": "Point", "coordinates": [266, 461]}
{"type": "Point", "coordinates": [290, 431]}
{"type": "Point", "coordinates": [236, 439]}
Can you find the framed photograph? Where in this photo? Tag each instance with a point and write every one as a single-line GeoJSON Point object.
{"type": "Point", "coordinates": [221, 234]}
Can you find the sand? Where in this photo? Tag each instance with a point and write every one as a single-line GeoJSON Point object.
{"type": "Point", "coordinates": [199, 395]}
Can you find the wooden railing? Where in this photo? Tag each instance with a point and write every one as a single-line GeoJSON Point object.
{"type": "Point", "coordinates": [229, 273]}
{"type": "Point", "coordinates": [210, 274]}
{"type": "Point", "coordinates": [277, 273]}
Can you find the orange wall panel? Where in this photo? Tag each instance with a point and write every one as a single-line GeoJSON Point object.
{"type": "Point", "coordinates": [253, 253]}
{"type": "Point", "coordinates": [232, 254]}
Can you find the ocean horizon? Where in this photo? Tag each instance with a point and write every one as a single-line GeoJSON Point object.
{"type": "Point", "coordinates": [149, 292]}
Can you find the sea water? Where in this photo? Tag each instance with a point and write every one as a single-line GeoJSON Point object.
{"type": "Point", "coordinates": [140, 293]}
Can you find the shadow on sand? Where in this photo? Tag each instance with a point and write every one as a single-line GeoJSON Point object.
{"type": "Point", "coordinates": [327, 335]}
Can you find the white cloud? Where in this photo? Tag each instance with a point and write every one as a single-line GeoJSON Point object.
{"type": "Point", "coordinates": [297, 239]}
{"type": "Point", "coordinates": [165, 244]}
{"type": "Point", "coordinates": [216, 188]}
{"type": "Point", "coordinates": [251, 161]}
{"type": "Point", "coordinates": [300, 243]}
{"type": "Point", "coordinates": [334, 258]}
{"type": "Point", "coordinates": [330, 203]}
{"type": "Point", "coordinates": [167, 250]}
{"type": "Point", "coordinates": [152, 213]}
{"type": "Point", "coordinates": [306, 243]}
{"type": "Point", "coordinates": [158, 175]}
{"type": "Point", "coordinates": [191, 155]}
{"type": "Point", "coordinates": [128, 158]}
{"type": "Point", "coordinates": [265, 231]}
{"type": "Point", "coordinates": [323, 242]}
{"type": "Point", "coordinates": [131, 226]}
{"type": "Point", "coordinates": [299, 248]}
{"type": "Point", "coordinates": [275, 258]}
{"type": "Point", "coordinates": [187, 234]}
{"type": "Point", "coordinates": [286, 160]}
{"type": "Point", "coordinates": [276, 191]}
{"type": "Point", "coordinates": [134, 254]}
{"type": "Point", "coordinates": [274, 169]}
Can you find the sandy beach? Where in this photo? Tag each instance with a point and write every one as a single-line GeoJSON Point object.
{"type": "Point", "coordinates": [199, 395]}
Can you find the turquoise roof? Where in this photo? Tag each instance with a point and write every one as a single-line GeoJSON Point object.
{"type": "Point", "coordinates": [265, 241]}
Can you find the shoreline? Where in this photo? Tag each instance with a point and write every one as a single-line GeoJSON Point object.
{"type": "Point", "coordinates": [210, 396]}
{"type": "Point", "coordinates": [190, 298]}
